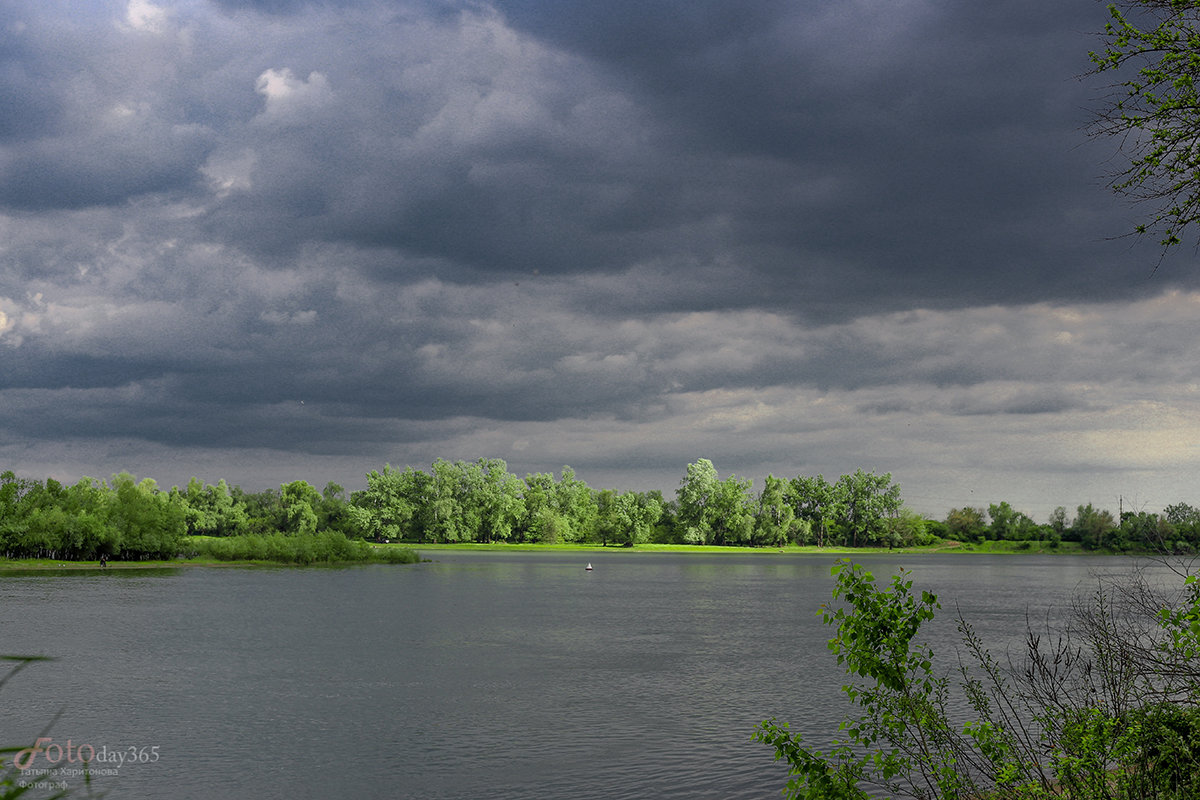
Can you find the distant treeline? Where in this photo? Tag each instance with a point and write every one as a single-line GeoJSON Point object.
{"type": "Point", "coordinates": [1176, 530]}
{"type": "Point", "coordinates": [133, 520]}
{"type": "Point", "coordinates": [481, 501]}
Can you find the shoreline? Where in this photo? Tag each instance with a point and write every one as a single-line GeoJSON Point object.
{"type": "Point", "coordinates": [942, 548]}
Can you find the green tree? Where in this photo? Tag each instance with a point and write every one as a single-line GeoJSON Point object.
{"type": "Point", "coordinates": [1178, 514]}
{"type": "Point", "coordinates": [1142, 531]}
{"type": "Point", "coordinates": [1092, 527]}
{"type": "Point", "coordinates": [149, 524]}
{"type": "Point", "coordinates": [563, 510]}
{"type": "Point", "coordinates": [333, 512]}
{"type": "Point", "coordinates": [966, 524]}
{"type": "Point", "coordinates": [695, 497]}
{"type": "Point", "coordinates": [449, 519]}
{"type": "Point", "coordinates": [866, 502]}
{"type": "Point", "coordinates": [908, 528]}
{"type": "Point", "coordinates": [300, 501]}
{"type": "Point", "coordinates": [211, 510]}
{"type": "Point", "coordinates": [1004, 521]}
{"type": "Point", "coordinates": [775, 522]}
{"type": "Point", "coordinates": [732, 512]}
{"type": "Point", "coordinates": [1184, 521]}
{"type": "Point", "coordinates": [632, 516]}
{"type": "Point", "coordinates": [74, 525]}
{"type": "Point", "coordinates": [12, 490]}
{"type": "Point", "coordinates": [816, 501]}
{"type": "Point", "coordinates": [1058, 520]}
{"type": "Point", "coordinates": [712, 511]}
{"type": "Point", "coordinates": [391, 505]}
{"type": "Point", "coordinates": [89, 533]}
{"type": "Point", "coordinates": [541, 508]}
{"type": "Point", "coordinates": [607, 523]}
{"type": "Point", "coordinates": [577, 503]}
{"type": "Point", "coordinates": [497, 493]}
{"type": "Point", "coordinates": [1152, 47]}
{"type": "Point", "coordinates": [548, 526]}
{"type": "Point", "coordinates": [264, 510]}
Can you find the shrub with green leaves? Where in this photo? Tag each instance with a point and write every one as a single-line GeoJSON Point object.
{"type": "Point", "coordinates": [1107, 710]}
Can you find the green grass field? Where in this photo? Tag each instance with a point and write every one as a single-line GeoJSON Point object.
{"type": "Point", "coordinates": [989, 547]}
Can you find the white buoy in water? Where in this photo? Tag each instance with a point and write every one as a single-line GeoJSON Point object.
{"type": "Point", "coordinates": [589, 568]}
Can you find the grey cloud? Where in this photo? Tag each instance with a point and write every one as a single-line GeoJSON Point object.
{"type": "Point", "coordinates": [789, 236]}
{"type": "Point", "coordinates": [625, 139]}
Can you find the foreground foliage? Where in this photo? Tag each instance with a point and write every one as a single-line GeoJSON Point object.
{"type": "Point", "coordinates": [1108, 709]}
{"type": "Point", "coordinates": [1152, 47]}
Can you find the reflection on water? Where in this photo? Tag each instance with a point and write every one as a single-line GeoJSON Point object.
{"type": "Point", "coordinates": [477, 675]}
{"type": "Point", "coordinates": [88, 572]}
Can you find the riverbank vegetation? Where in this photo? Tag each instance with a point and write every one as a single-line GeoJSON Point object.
{"type": "Point", "coordinates": [1105, 707]}
{"type": "Point", "coordinates": [482, 502]}
{"type": "Point", "coordinates": [326, 547]}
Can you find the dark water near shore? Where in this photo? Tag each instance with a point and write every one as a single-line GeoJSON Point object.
{"type": "Point", "coordinates": [482, 675]}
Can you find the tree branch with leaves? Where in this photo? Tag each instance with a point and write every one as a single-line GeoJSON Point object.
{"type": "Point", "coordinates": [1152, 50]}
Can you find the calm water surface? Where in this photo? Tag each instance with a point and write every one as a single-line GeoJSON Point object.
{"type": "Point", "coordinates": [481, 675]}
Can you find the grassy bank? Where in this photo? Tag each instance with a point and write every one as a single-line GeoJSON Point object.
{"type": "Point", "coordinates": [252, 550]}
{"type": "Point", "coordinates": [274, 550]}
{"type": "Point", "coordinates": [321, 548]}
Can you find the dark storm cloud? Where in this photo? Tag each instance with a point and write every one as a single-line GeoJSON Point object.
{"type": "Point", "coordinates": [834, 157]}
{"type": "Point", "coordinates": [892, 164]}
{"type": "Point", "coordinates": [620, 234]}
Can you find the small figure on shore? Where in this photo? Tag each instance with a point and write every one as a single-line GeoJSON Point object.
{"type": "Point", "coordinates": [103, 561]}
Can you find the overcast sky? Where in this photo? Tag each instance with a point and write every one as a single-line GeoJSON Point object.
{"type": "Point", "coordinates": [264, 241]}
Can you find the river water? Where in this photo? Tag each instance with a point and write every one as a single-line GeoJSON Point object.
{"type": "Point", "coordinates": [479, 675]}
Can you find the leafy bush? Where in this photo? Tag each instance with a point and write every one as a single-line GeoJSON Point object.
{"type": "Point", "coordinates": [1107, 710]}
{"type": "Point", "coordinates": [326, 547]}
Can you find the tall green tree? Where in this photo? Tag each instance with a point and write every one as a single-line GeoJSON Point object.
{"type": "Point", "coordinates": [541, 510]}
{"type": "Point", "coordinates": [557, 511]}
{"type": "Point", "coordinates": [392, 504]}
{"type": "Point", "coordinates": [12, 490]}
{"type": "Point", "coordinates": [449, 519]}
{"type": "Point", "coordinates": [817, 502]}
{"type": "Point", "coordinates": [71, 522]}
{"type": "Point", "coordinates": [775, 522]}
{"type": "Point", "coordinates": [498, 496]}
{"type": "Point", "coordinates": [300, 500]}
{"type": "Point", "coordinates": [577, 503]}
{"type": "Point", "coordinates": [211, 510]}
{"type": "Point", "coordinates": [908, 528]}
{"type": "Point", "coordinates": [333, 512]}
{"type": "Point", "coordinates": [1059, 522]}
{"type": "Point", "coordinates": [1009, 524]}
{"type": "Point", "coordinates": [696, 495]}
{"type": "Point", "coordinates": [628, 518]}
{"type": "Point", "coordinates": [712, 511]}
{"type": "Point", "coordinates": [966, 524]}
{"type": "Point", "coordinates": [1142, 531]}
{"type": "Point", "coordinates": [1092, 527]}
{"type": "Point", "coordinates": [866, 502]}
{"type": "Point", "coordinates": [264, 510]}
{"type": "Point", "coordinates": [732, 512]}
{"type": "Point", "coordinates": [1185, 524]}
{"type": "Point", "coordinates": [149, 523]}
